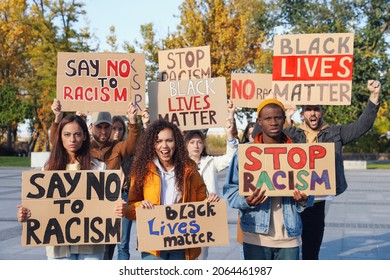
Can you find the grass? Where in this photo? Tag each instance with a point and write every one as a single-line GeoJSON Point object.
{"type": "Point", "coordinates": [378, 166]}
{"type": "Point", "coordinates": [14, 161]}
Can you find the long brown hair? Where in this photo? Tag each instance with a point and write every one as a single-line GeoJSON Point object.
{"type": "Point", "coordinates": [59, 157]}
{"type": "Point", "coordinates": [146, 153]}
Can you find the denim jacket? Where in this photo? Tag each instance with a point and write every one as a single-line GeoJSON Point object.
{"type": "Point", "coordinates": [257, 218]}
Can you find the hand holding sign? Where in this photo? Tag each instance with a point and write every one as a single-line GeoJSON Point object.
{"type": "Point", "coordinates": [256, 198]}
{"type": "Point", "coordinates": [132, 113]}
{"type": "Point", "coordinates": [23, 213]}
{"type": "Point", "coordinates": [56, 108]}
{"type": "Point", "coordinates": [300, 197]}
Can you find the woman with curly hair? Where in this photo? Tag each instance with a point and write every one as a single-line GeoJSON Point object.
{"type": "Point", "coordinates": [162, 173]}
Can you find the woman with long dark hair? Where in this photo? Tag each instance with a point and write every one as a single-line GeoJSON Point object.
{"type": "Point", "coordinates": [71, 151]}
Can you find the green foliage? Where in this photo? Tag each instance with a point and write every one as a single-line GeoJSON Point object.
{"type": "Point", "coordinates": [369, 21]}
{"type": "Point", "coordinates": [239, 33]}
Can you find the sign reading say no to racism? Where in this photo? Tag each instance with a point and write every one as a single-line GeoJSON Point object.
{"type": "Point", "coordinates": [71, 207]}
{"type": "Point", "coordinates": [92, 82]}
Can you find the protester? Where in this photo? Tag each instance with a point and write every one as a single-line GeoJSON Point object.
{"type": "Point", "coordinates": [271, 226]}
{"type": "Point", "coordinates": [209, 166]}
{"type": "Point", "coordinates": [102, 148]}
{"type": "Point", "coordinates": [118, 132]}
{"type": "Point", "coordinates": [247, 135]}
{"type": "Point", "coordinates": [105, 149]}
{"type": "Point", "coordinates": [315, 130]}
{"type": "Point", "coordinates": [162, 173]}
{"type": "Point", "coordinates": [71, 151]}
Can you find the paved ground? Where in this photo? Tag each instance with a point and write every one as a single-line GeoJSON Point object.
{"type": "Point", "coordinates": [357, 222]}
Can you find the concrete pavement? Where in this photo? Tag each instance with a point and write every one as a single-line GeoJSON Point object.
{"type": "Point", "coordinates": [357, 222]}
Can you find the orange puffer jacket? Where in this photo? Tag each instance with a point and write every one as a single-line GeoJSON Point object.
{"type": "Point", "coordinates": [194, 190]}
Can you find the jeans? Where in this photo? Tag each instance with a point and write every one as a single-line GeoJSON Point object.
{"type": "Point", "coordinates": [124, 246]}
{"type": "Point", "coordinates": [166, 255]}
{"type": "Point", "coordinates": [255, 252]}
{"type": "Point", "coordinates": [73, 257]}
{"type": "Point", "coordinates": [313, 220]}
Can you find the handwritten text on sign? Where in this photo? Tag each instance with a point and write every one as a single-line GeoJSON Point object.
{"type": "Point", "coordinates": [313, 68]}
{"type": "Point", "coordinates": [182, 225]}
{"type": "Point", "coordinates": [280, 168]}
{"type": "Point", "coordinates": [97, 81]}
{"type": "Point", "coordinates": [190, 104]}
{"type": "Point", "coordinates": [71, 207]}
{"type": "Point", "coordinates": [185, 63]}
{"type": "Point", "coordinates": [248, 90]}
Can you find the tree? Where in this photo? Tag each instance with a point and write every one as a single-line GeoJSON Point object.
{"type": "Point", "coordinates": [227, 26]}
{"type": "Point", "coordinates": [369, 21]}
{"type": "Point", "coordinates": [12, 111]}
{"type": "Point", "coordinates": [53, 25]}
{"type": "Point", "coordinates": [15, 38]}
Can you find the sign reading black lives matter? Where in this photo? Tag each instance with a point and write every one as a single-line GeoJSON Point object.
{"type": "Point", "coordinates": [182, 225]}
{"type": "Point", "coordinates": [313, 68]}
{"type": "Point", "coordinates": [189, 104]}
{"type": "Point", "coordinates": [71, 207]}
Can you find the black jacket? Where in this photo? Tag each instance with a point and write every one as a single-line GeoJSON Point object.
{"type": "Point", "coordinates": [340, 135]}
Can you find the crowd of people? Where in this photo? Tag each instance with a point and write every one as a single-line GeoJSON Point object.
{"type": "Point", "coordinates": [162, 165]}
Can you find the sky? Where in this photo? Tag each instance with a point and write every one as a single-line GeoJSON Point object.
{"type": "Point", "coordinates": [128, 15]}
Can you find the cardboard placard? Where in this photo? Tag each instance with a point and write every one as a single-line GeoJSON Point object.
{"type": "Point", "coordinates": [94, 82]}
{"type": "Point", "coordinates": [185, 63]}
{"type": "Point", "coordinates": [182, 225]}
{"type": "Point", "coordinates": [190, 104]}
{"type": "Point", "coordinates": [71, 207]}
{"type": "Point", "coordinates": [249, 90]}
{"type": "Point", "coordinates": [313, 69]}
{"type": "Point", "coordinates": [279, 168]}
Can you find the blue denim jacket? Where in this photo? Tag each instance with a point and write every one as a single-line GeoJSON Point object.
{"type": "Point", "coordinates": [256, 218]}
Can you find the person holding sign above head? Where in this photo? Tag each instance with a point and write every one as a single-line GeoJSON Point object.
{"type": "Point", "coordinates": [111, 152]}
{"type": "Point", "coordinates": [71, 151]}
{"type": "Point", "coordinates": [209, 166]}
{"type": "Point", "coordinates": [315, 130]}
{"type": "Point", "coordinates": [271, 226]}
{"type": "Point", "coordinates": [102, 147]}
{"type": "Point", "coordinates": [162, 173]}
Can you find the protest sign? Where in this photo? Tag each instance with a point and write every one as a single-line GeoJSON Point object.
{"type": "Point", "coordinates": [94, 82]}
{"type": "Point", "coordinates": [280, 168]}
{"type": "Point", "coordinates": [185, 63]}
{"type": "Point", "coordinates": [71, 207]}
{"type": "Point", "coordinates": [190, 104]}
{"type": "Point", "coordinates": [313, 69]}
{"type": "Point", "coordinates": [248, 90]}
{"type": "Point", "coordinates": [182, 225]}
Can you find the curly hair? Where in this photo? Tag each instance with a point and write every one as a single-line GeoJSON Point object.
{"type": "Point", "coordinates": [59, 157]}
{"type": "Point", "coordinates": [146, 153]}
